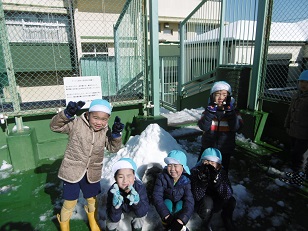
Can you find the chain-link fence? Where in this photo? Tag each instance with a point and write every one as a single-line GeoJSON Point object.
{"type": "Point", "coordinates": [129, 36]}
{"type": "Point", "coordinates": [43, 41]}
{"type": "Point", "coordinates": [287, 49]}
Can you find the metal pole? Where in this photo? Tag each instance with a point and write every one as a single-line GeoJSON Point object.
{"type": "Point", "coordinates": [116, 57]}
{"type": "Point", "coordinates": [10, 69]}
{"type": "Point", "coordinates": [154, 53]}
{"type": "Point", "coordinates": [258, 55]}
{"type": "Point", "coordinates": [146, 53]}
{"type": "Point", "coordinates": [221, 32]}
{"type": "Point", "coordinates": [72, 29]}
{"type": "Point", "coordinates": [182, 63]}
{"type": "Point", "coordinates": [162, 73]}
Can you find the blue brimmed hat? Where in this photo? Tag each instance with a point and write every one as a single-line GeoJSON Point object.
{"type": "Point", "coordinates": [125, 163]}
{"type": "Point", "coordinates": [211, 154]}
{"type": "Point", "coordinates": [177, 157]}
{"type": "Point", "coordinates": [100, 105]}
{"type": "Point", "coordinates": [304, 76]}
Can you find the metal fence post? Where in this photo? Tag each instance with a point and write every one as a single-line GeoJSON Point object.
{"type": "Point", "coordinates": [162, 78]}
{"type": "Point", "coordinates": [154, 52]}
{"type": "Point", "coordinates": [258, 55]}
{"type": "Point", "coordinates": [8, 62]}
{"type": "Point", "coordinates": [221, 32]}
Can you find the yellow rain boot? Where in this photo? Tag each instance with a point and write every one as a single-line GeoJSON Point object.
{"type": "Point", "coordinates": [66, 213]}
{"type": "Point", "coordinates": [92, 221]}
{"type": "Point", "coordinates": [64, 225]}
{"type": "Point", "coordinates": [92, 210]}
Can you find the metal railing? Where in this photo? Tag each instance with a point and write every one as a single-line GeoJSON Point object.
{"type": "Point", "coordinates": [226, 41]}
{"type": "Point", "coordinates": [169, 74]}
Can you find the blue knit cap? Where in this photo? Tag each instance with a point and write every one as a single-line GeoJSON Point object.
{"type": "Point", "coordinates": [100, 105]}
{"type": "Point", "coordinates": [211, 154]}
{"type": "Point", "coordinates": [304, 76]}
{"type": "Point", "coordinates": [125, 163]}
{"type": "Point", "coordinates": [177, 157]}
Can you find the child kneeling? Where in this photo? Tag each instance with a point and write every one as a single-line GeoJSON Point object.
{"type": "Point", "coordinates": [212, 190]}
{"type": "Point", "coordinates": [127, 195]}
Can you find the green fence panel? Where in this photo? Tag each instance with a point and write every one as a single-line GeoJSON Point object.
{"type": "Point", "coordinates": [103, 67]}
{"type": "Point", "coordinates": [41, 57]}
{"type": "Point", "coordinates": [130, 59]}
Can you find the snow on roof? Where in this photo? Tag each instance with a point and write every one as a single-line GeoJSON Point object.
{"type": "Point", "coordinates": [245, 30]}
{"type": "Point", "coordinates": [297, 32]}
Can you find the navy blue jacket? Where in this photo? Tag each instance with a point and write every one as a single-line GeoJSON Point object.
{"type": "Point", "coordinates": [219, 129]}
{"type": "Point", "coordinates": [140, 209]}
{"type": "Point", "coordinates": [165, 189]}
{"type": "Point", "coordinates": [221, 190]}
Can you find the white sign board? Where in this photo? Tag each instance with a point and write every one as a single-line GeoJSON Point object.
{"type": "Point", "coordinates": [85, 88]}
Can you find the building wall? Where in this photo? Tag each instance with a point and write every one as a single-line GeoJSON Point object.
{"type": "Point", "coordinates": [94, 19]}
{"type": "Point", "coordinates": [54, 6]}
{"type": "Point", "coordinates": [176, 8]}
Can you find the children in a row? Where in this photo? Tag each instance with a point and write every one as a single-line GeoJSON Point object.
{"type": "Point", "coordinates": [178, 192]}
{"type": "Point", "coordinates": [81, 169]}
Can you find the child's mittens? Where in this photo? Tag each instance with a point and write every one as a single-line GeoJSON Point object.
{"type": "Point", "coordinates": [72, 108]}
{"type": "Point", "coordinates": [212, 106]}
{"type": "Point", "coordinates": [117, 199]}
{"type": "Point", "coordinates": [167, 222]}
{"type": "Point", "coordinates": [213, 174]}
{"type": "Point", "coordinates": [229, 106]}
{"type": "Point", "coordinates": [117, 127]}
{"type": "Point", "coordinates": [133, 196]}
{"type": "Point", "coordinates": [176, 226]}
{"type": "Point", "coordinates": [203, 173]}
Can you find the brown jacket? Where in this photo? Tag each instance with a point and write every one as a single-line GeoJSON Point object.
{"type": "Point", "coordinates": [296, 121]}
{"type": "Point", "coordinates": [85, 149]}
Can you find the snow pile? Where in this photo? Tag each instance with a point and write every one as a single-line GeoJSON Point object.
{"type": "Point", "coordinates": [184, 116]}
{"type": "Point", "coordinates": [151, 146]}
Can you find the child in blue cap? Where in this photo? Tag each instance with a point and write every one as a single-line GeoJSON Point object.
{"type": "Point", "coordinates": [212, 190]}
{"type": "Point", "coordinates": [172, 195]}
{"type": "Point", "coordinates": [81, 167]}
{"type": "Point", "coordinates": [296, 124]}
{"type": "Point", "coordinates": [127, 195]}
